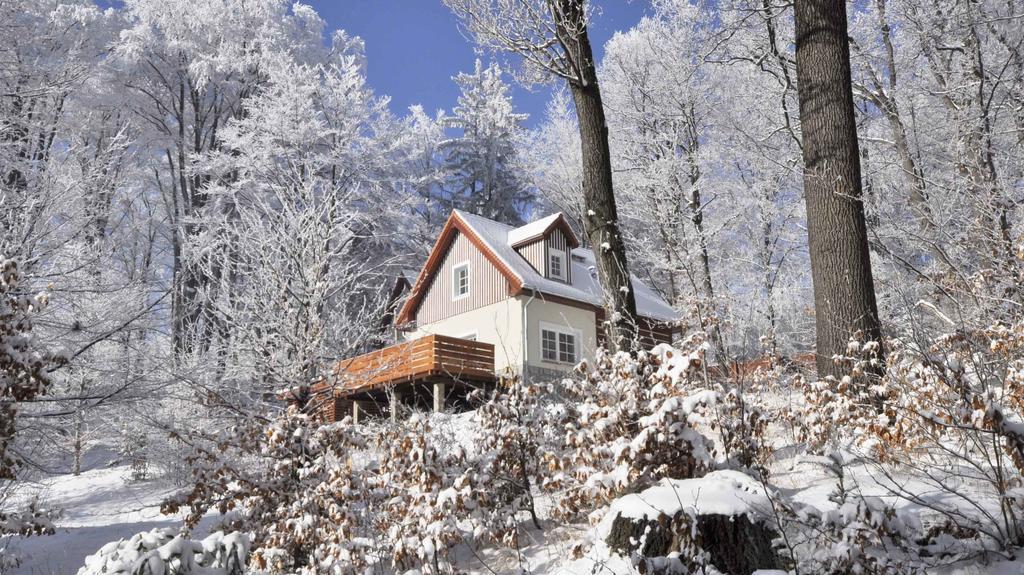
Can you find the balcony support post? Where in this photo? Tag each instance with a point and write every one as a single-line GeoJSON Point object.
{"type": "Point", "coordinates": [358, 409]}
{"type": "Point", "coordinates": [439, 393]}
{"type": "Point", "coordinates": [394, 403]}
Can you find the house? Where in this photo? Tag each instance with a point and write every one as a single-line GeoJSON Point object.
{"type": "Point", "coordinates": [491, 300]}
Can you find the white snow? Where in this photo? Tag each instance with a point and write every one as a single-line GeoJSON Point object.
{"type": "Point", "coordinates": [720, 493]}
{"type": "Point", "coordinates": [99, 506]}
{"type": "Point", "coordinates": [585, 286]}
{"type": "Point", "coordinates": [532, 229]}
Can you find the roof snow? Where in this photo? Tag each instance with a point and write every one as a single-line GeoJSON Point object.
{"type": "Point", "coordinates": [530, 230]}
{"type": "Point", "coordinates": [585, 287]}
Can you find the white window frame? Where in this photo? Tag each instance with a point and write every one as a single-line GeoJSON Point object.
{"type": "Point", "coordinates": [576, 334]}
{"type": "Point", "coordinates": [455, 281]}
{"type": "Point", "coordinates": [575, 348]}
{"type": "Point", "coordinates": [552, 252]}
{"type": "Point", "coordinates": [472, 336]}
{"type": "Point", "coordinates": [542, 356]}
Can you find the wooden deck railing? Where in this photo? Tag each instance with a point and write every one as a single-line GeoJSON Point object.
{"type": "Point", "coordinates": [428, 356]}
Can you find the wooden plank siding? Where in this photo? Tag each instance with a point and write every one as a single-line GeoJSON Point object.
{"type": "Point", "coordinates": [486, 284]}
{"type": "Point", "coordinates": [537, 253]}
{"type": "Point", "coordinates": [534, 252]}
{"type": "Point", "coordinates": [651, 332]}
{"type": "Point", "coordinates": [428, 356]}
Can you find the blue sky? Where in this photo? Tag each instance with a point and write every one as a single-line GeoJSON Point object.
{"type": "Point", "coordinates": [414, 48]}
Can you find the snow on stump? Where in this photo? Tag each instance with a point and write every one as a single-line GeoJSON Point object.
{"type": "Point", "coordinates": [681, 525]}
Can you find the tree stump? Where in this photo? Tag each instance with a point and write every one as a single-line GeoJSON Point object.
{"type": "Point", "coordinates": [734, 544]}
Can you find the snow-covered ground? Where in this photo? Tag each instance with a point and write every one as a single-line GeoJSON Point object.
{"type": "Point", "coordinates": [99, 506]}
{"type": "Point", "coordinates": [103, 505]}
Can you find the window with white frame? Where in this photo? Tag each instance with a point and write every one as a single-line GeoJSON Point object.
{"type": "Point", "coordinates": [558, 345]}
{"type": "Point", "coordinates": [567, 348]}
{"type": "Point", "coordinates": [460, 281]}
{"type": "Point", "coordinates": [556, 264]}
{"type": "Point", "coordinates": [549, 344]}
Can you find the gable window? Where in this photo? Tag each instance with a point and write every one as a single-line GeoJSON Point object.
{"type": "Point", "coordinates": [556, 264]}
{"type": "Point", "coordinates": [460, 281]}
{"type": "Point", "coordinates": [558, 345]}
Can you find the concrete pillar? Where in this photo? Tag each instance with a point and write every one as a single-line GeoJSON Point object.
{"type": "Point", "coordinates": [439, 393]}
{"type": "Point", "coordinates": [394, 404]}
{"type": "Point", "coordinates": [358, 409]}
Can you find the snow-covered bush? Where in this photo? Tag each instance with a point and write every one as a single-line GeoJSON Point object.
{"type": "Point", "coordinates": [23, 377]}
{"type": "Point", "coordinates": [19, 519]}
{"type": "Point", "coordinates": [837, 412]}
{"type": "Point", "coordinates": [23, 366]}
{"type": "Point", "coordinates": [741, 426]}
{"type": "Point", "coordinates": [628, 422]}
{"type": "Point", "coordinates": [508, 432]}
{"type": "Point", "coordinates": [426, 493]}
{"type": "Point", "coordinates": [164, 552]}
{"type": "Point", "coordinates": [30, 519]}
{"type": "Point", "coordinates": [856, 534]}
{"type": "Point", "coordinates": [863, 535]}
{"type": "Point", "coordinates": [956, 405]}
{"type": "Point", "coordinates": [946, 419]}
{"type": "Point", "coordinates": [294, 485]}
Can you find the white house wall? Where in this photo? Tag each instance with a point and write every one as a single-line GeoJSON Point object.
{"type": "Point", "coordinates": [500, 324]}
{"type": "Point", "coordinates": [491, 315]}
{"type": "Point", "coordinates": [579, 320]}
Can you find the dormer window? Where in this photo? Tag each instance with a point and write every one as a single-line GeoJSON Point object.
{"type": "Point", "coordinates": [460, 281]}
{"type": "Point", "coordinates": [556, 264]}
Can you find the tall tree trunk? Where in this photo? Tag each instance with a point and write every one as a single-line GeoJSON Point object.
{"type": "Point", "coordinates": [844, 292]}
{"type": "Point", "coordinates": [697, 217]}
{"type": "Point", "coordinates": [78, 446]}
{"type": "Point", "coordinates": [768, 284]}
{"type": "Point", "coordinates": [602, 217]}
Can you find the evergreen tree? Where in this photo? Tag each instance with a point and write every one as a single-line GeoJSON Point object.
{"type": "Point", "coordinates": [481, 160]}
{"type": "Point", "coordinates": [552, 39]}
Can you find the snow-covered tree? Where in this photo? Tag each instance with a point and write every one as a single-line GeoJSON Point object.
{"type": "Point", "coordinates": [552, 38]}
{"type": "Point", "coordinates": [701, 155]}
{"type": "Point", "coordinates": [188, 69]}
{"type": "Point", "coordinates": [293, 227]}
{"type": "Point", "coordinates": [418, 176]}
{"type": "Point", "coordinates": [550, 156]}
{"type": "Point", "coordinates": [659, 119]}
{"type": "Point", "coordinates": [482, 175]}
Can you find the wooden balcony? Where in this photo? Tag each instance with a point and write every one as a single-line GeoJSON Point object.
{"type": "Point", "coordinates": [429, 358]}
